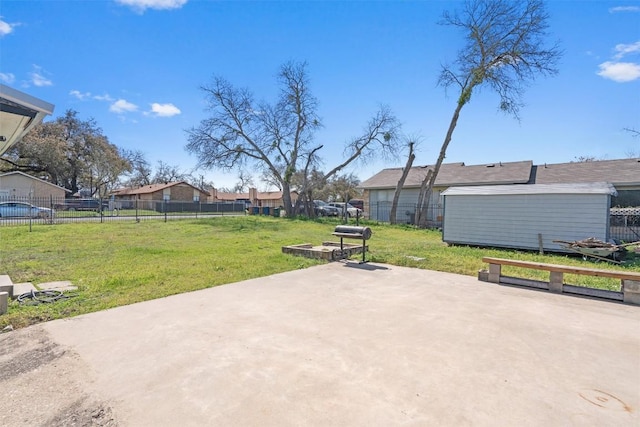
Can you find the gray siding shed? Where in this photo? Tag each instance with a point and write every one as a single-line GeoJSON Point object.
{"type": "Point", "coordinates": [512, 216]}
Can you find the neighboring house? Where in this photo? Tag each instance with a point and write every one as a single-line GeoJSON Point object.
{"type": "Point", "coordinates": [379, 189]}
{"type": "Point", "coordinates": [271, 199]}
{"type": "Point", "coordinates": [624, 174]}
{"type": "Point", "coordinates": [527, 216]}
{"type": "Point", "coordinates": [171, 191]}
{"type": "Point", "coordinates": [21, 186]}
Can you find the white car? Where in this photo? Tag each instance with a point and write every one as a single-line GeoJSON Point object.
{"type": "Point", "coordinates": [23, 210]}
{"type": "Point", "coordinates": [352, 211]}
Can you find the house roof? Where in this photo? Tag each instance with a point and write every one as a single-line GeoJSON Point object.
{"type": "Point", "coordinates": [148, 189]}
{"type": "Point", "coordinates": [623, 171]}
{"type": "Point", "coordinates": [266, 195]}
{"type": "Point", "coordinates": [455, 174]}
{"type": "Point", "coordinates": [577, 188]}
{"type": "Point", "coordinates": [34, 178]}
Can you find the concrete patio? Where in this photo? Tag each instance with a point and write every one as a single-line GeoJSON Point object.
{"type": "Point", "coordinates": [341, 344]}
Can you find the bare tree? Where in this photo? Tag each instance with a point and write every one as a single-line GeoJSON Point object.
{"type": "Point", "coordinates": [633, 153]}
{"type": "Point", "coordinates": [140, 174]}
{"type": "Point", "coordinates": [634, 132]}
{"type": "Point", "coordinates": [245, 181]}
{"type": "Point", "coordinates": [505, 51]}
{"type": "Point", "coordinates": [168, 173]}
{"type": "Point", "coordinates": [584, 159]}
{"type": "Point", "coordinates": [279, 138]}
{"type": "Point", "coordinates": [403, 178]}
{"type": "Point", "coordinates": [421, 207]}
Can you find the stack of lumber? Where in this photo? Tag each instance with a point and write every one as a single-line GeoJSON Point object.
{"type": "Point", "coordinates": [590, 242]}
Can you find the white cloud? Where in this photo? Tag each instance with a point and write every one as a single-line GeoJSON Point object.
{"type": "Point", "coordinates": [81, 96]}
{"type": "Point", "coordinates": [104, 97]}
{"type": "Point", "coordinates": [7, 78]}
{"type": "Point", "coordinates": [620, 72]}
{"type": "Point", "coordinates": [164, 110]}
{"type": "Point", "coordinates": [38, 78]}
{"type": "Point", "coordinates": [122, 106]}
{"type": "Point", "coordinates": [6, 28]}
{"type": "Point", "coordinates": [142, 5]}
{"type": "Point", "coordinates": [624, 9]}
{"type": "Point", "coordinates": [625, 49]}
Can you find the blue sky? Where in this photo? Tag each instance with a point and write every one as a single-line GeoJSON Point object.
{"type": "Point", "coordinates": [135, 66]}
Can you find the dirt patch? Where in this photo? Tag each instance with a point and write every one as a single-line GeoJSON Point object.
{"type": "Point", "coordinates": [45, 384]}
{"type": "Point", "coordinates": [83, 412]}
{"type": "Point", "coordinates": [22, 353]}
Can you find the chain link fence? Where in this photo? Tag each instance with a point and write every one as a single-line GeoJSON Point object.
{"type": "Point", "coordinates": [407, 213]}
{"type": "Point", "coordinates": [625, 224]}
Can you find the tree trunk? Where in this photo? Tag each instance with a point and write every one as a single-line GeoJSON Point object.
{"type": "Point", "coordinates": [403, 178]}
{"type": "Point", "coordinates": [286, 199]}
{"type": "Point", "coordinates": [443, 153]}
{"type": "Point", "coordinates": [421, 212]}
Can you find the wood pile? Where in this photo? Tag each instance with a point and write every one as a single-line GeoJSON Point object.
{"type": "Point", "coordinates": [590, 242]}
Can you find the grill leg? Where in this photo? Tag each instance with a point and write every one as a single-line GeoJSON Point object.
{"type": "Point", "coordinates": [363, 250]}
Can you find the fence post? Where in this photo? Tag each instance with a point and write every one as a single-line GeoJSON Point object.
{"type": "Point", "coordinates": [164, 208]}
{"type": "Point", "coordinates": [137, 219]}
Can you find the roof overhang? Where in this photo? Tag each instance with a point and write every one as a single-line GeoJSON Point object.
{"type": "Point", "coordinates": [19, 113]}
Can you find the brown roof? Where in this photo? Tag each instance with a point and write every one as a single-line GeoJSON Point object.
{"type": "Point", "coordinates": [456, 174]}
{"type": "Point", "coordinates": [231, 196]}
{"type": "Point", "coordinates": [624, 171]}
{"type": "Point", "coordinates": [267, 195]}
{"type": "Point", "coordinates": [148, 189]}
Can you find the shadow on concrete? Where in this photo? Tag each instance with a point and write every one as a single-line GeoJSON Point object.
{"type": "Point", "coordinates": [365, 266]}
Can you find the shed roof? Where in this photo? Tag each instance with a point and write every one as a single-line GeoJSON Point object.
{"type": "Point", "coordinates": [455, 174]}
{"type": "Point", "coordinates": [572, 188]}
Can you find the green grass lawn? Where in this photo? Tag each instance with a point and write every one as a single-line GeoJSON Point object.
{"type": "Point", "coordinates": [119, 263]}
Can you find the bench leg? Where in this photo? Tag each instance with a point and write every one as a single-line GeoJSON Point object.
{"type": "Point", "coordinates": [556, 280]}
{"type": "Point", "coordinates": [494, 273]}
{"type": "Point", "coordinates": [4, 302]}
{"type": "Point", "coordinates": [631, 291]}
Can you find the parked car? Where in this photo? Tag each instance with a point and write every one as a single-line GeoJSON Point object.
{"type": "Point", "coordinates": [82, 205]}
{"type": "Point", "coordinates": [322, 208]}
{"type": "Point", "coordinates": [357, 203]}
{"type": "Point", "coordinates": [352, 211]}
{"type": "Point", "coordinates": [24, 210]}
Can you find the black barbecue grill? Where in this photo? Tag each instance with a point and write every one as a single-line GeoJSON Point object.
{"type": "Point", "coordinates": [353, 232]}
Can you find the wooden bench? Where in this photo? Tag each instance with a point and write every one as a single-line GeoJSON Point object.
{"type": "Point", "coordinates": [629, 289]}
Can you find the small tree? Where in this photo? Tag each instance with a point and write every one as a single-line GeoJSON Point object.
{"type": "Point", "coordinates": [505, 50]}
